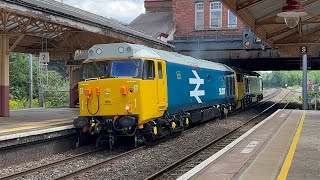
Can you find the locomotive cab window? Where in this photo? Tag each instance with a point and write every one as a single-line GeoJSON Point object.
{"type": "Point", "coordinates": [124, 68]}
{"type": "Point", "coordinates": [112, 69]}
{"type": "Point", "coordinates": [148, 70]}
{"type": "Point", "coordinates": [208, 77]}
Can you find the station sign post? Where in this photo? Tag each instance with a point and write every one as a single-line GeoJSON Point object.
{"type": "Point", "coordinates": [44, 59]}
{"type": "Point", "coordinates": [316, 92]}
{"type": "Point", "coordinates": [304, 78]}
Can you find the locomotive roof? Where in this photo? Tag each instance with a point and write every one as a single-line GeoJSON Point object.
{"type": "Point", "coordinates": [125, 50]}
{"type": "Point", "coordinates": [242, 71]}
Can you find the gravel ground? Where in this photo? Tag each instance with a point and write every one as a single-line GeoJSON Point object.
{"type": "Point", "coordinates": [148, 160]}
{"type": "Point", "coordinates": [49, 159]}
{"type": "Point", "coordinates": [69, 166]}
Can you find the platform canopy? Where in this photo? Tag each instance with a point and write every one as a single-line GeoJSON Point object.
{"type": "Point", "coordinates": [261, 17]}
{"type": "Point", "coordinates": [33, 26]}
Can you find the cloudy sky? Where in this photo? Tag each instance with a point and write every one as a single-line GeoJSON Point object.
{"type": "Point", "coordinates": [122, 10]}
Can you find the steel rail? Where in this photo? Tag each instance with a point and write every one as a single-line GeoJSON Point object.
{"type": "Point", "coordinates": [285, 106]}
{"type": "Point", "coordinates": [46, 166]}
{"type": "Point", "coordinates": [187, 157]}
{"type": "Point", "coordinates": [92, 167]}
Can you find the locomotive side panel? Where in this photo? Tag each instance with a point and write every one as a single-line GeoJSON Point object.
{"type": "Point", "coordinates": [192, 88]}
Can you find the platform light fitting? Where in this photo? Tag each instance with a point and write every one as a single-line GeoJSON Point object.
{"type": "Point", "coordinates": [292, 13]}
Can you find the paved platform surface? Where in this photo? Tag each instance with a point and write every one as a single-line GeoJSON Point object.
{"type": "Point", "coordinates": [29, 120]}
{"type": "Point", "coordinates": [286, 145]}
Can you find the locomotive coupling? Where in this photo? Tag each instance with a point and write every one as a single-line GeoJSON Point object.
{"type": "Point", "coordinates": [80, 122]}
{"type": "Point", "coordinates": [127, 121]}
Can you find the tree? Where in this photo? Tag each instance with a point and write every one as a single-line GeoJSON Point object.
{"type": "Point", "coordinates": [19, 82]}
{"type": "Point", "coordinates": [19, 76]}
{"type": "Point", "coordinates": [291, 78]}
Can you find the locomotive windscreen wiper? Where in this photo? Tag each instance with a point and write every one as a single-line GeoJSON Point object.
{"type": "Point", "coordinates": [99, 70]}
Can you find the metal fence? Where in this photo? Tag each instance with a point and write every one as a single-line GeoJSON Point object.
{"type": "Point", "coordinates": [223, 33]}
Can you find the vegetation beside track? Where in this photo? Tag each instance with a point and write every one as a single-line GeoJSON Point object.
{"type": "Point", "coordinates": [291, 78]}
{"type": "Point", "coordinates": [56, 92]}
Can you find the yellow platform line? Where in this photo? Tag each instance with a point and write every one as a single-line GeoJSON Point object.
{"type": "Point", "coordinates": [20, 128]}
{"type": "Point", "coordinates": [287, 163]}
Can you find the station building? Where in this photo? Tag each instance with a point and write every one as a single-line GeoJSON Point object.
{"type": "Point", "coordinates": [199, 28]}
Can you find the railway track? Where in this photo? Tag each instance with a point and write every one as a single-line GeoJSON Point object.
{"type": "Point", "coordinates": [46, 166]}
{"type": "Point", "coordinates": [191, 160]}
{"type": "Point", "coordinates": [103, 163]}
{"type": "Point", "coordinates": [125, 155]}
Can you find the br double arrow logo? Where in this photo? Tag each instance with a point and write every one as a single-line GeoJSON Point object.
{"type": "Point", "coordinates": [196, 92]}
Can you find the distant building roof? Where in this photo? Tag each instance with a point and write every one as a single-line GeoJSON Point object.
{"type": "Point", "coordinates": [154, 23]}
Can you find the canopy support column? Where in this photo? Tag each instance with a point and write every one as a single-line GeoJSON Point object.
{"type": "Point", "coordinates": [4, 76]}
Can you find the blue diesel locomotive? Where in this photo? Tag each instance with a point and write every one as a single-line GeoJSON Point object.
{"type": "Point", "coordinates": [133, 90]}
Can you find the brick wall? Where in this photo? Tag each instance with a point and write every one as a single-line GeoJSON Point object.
{"type": "Point", "coordinates": [184, 17]}
{"type": "Point", "coordinates": [158, 5]}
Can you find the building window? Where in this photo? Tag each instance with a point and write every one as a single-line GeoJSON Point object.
{"type": "Point", "coordinates": [232, 20]}
{"type": "Point", "coordinates": [199, 16]}
{"type": "Point", "coordinates": [215, 15]}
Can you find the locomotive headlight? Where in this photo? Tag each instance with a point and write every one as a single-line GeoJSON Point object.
{"type": "Point", "coordinates": [120, 49]}
{"type": "Point", "coordinates": [99, 51]}
{"type": "Point", "coordinates": [91, 52]}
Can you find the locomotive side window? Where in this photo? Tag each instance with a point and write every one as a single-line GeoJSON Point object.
{"type": "Point", "coordinates": [178, 74]}
{"type": "Point", "coordinates": [231, 84]}
{"type": "Point", "coordinates": [160, 70]}
{"type": "Point", "coordinates": [148, 70]}
{"type": "Point", "coordinates": [228, 87]}
{"type": "Point", "coordinates": [239, 78]}
{"type": "Point", "coordinates": [234, 86]}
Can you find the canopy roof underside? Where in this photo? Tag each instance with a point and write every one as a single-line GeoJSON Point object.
{"type": "Point", "coordinates": [261, 17]}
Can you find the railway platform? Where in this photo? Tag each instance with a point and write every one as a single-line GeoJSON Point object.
{"type": "Point", "coordinates": [286, 145]}
{"type": "Point", "coordinates": [29, 120]}
{"type": "Point", "coordinates": [50, 130]}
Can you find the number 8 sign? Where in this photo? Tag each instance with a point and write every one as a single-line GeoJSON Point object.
{"type": "Point", "coordinates": [44, 57]}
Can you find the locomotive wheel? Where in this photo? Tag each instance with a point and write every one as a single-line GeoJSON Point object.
{"type": "Point", "coordinates": [135, 141]}
{"type": "Point", "coordinates": [138, 140]}
{"type": "Point", "coordinates": [81, 139]}
{"type": "Point", "coordinates": [111, 142]}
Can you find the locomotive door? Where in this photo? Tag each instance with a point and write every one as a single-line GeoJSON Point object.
{"type": "Point", "coordinates": [162, 85]}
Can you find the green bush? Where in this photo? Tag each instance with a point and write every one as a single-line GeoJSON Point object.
{"type": "Point", "coordinates": [56, 92]}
